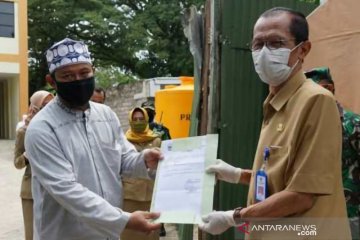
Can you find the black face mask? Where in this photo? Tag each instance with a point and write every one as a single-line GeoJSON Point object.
{"type": "Point", "coordinates": [77, 93]}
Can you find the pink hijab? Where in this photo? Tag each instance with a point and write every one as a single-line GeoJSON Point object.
{"type": "Point", "coordinates": [36, 103]}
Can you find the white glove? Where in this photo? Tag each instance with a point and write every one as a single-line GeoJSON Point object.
{"type": "Point", "coordinates": [217, 222]}
{"type": "Point", "coordinates": [225, 172]}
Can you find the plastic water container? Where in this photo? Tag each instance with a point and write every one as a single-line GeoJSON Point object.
{"type": "Point", "coordinates": [173, 107]}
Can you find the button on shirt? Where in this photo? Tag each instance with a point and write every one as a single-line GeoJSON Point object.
{"type": "Point", "coordinates": [303, 130]}
{"type": "Point", "coordinates": [77, 160]}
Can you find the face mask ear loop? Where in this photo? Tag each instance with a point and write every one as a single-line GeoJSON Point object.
{"type": "Point", "coordinates": [294, 66]}
{"type": "Point", "coordinates": [297, 46]}
{"type": "Point", "coordinates": [297, 62]}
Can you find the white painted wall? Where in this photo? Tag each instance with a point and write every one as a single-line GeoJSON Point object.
{"type": "Point", "coordinates": [9, 68]}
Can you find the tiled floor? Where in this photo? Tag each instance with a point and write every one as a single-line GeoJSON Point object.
{"type": "Point", "coordinates": [11, 224]}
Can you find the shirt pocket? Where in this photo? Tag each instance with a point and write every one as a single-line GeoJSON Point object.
{"type": "Point", "coordinates": [104, 133]}
{"type": "Point", "coordinates": [276, 168]}
{"type": "Point", "coordinates": [112, 157]}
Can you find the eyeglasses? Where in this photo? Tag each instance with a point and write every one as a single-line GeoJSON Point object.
{"type": "Point", "coordinates": [270, 44]}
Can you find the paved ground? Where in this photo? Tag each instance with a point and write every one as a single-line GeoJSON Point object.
{"type": "Point", "coordinates": [11, 224]}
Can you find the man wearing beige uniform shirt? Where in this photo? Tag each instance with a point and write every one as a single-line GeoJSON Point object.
{"type": "Point", "coordinates": [302, 134]}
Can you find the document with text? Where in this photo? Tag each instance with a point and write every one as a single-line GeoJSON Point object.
{"type": "Point", "coordinates": [183, 192]}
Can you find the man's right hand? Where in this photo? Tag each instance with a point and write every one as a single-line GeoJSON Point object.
{"type": "Point", "coordinates": [139, 221]}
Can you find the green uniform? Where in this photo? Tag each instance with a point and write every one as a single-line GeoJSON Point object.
{"type": "Point", "coordinates": [351, 166]}
{"type": "Point", "coordinates": [159, 129]}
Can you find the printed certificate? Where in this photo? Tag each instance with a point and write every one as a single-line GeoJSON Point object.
{"type": "Point", "coordinates": [183, 192]}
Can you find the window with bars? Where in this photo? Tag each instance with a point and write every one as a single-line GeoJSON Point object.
{"type": "Point", "coordinates": [7, 19]}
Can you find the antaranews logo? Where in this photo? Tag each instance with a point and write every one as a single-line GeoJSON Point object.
{"type": "Point", "coordinates": [244, 228]}
{"type": "Point", "coordinates": [299, 229]}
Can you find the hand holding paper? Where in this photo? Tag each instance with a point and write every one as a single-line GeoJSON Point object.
{"type": "Point", "coordinates": [152, 158]}
{"type": "Point", "coordinates": [225, 172]}
{"type": "Point", "coordinates": [139, 221]}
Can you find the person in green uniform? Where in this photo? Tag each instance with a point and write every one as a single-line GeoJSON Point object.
{"type": "Point", "coordinates": [157, 128]}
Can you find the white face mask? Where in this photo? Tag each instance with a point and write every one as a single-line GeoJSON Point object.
{"type": "Point", "coordinates": [272, 65]}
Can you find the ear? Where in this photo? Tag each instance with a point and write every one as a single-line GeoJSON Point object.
{"type": "Point", "coordinates": [51, 81]}
{"type": "Point", "coordinates": [304, 50]}
{"type": "Point", "coordinates": [332, 88]}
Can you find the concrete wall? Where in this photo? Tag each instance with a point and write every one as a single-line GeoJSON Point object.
{"type": "Point", "coordinates": [121, 100]}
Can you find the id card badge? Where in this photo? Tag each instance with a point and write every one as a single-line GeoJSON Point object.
{"type": "Point", "coordinates": [260, 186]}
{"type": "Point", "coordinates": [261, 179]}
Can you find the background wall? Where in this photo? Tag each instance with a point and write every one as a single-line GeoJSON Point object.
{"type": "Point", "coordinates": [121, 100]}
{"type": "Point", "coordinates": [335, 37]}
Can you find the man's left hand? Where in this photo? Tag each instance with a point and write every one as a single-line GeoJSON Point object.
{"type": "Point", "coordinates": [152, 157]}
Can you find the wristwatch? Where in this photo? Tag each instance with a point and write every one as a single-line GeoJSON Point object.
{"type": "Point", "coordinates": [237, 215]}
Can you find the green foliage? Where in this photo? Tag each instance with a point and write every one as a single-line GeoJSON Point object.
{"type": "Point", "coordinates": [108, 77]}
{"type": "Point", "coordinates": [142, 38]}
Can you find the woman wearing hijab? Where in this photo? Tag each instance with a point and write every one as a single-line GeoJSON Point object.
{"type": "Point", "coordinates": [138, 192]}
{"type": "Point", "coordinates": [37, 101]}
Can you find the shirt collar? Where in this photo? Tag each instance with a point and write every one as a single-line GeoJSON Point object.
{"type": "Point", "coordinates": [278, 100]}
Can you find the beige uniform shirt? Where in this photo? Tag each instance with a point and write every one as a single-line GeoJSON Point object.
{"type": "Point", "coordinates": [21, 162]}
{"type": "Point", "coordinates": [302, 127]}
{"type": "Point", "coordinates": [140, 189]}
